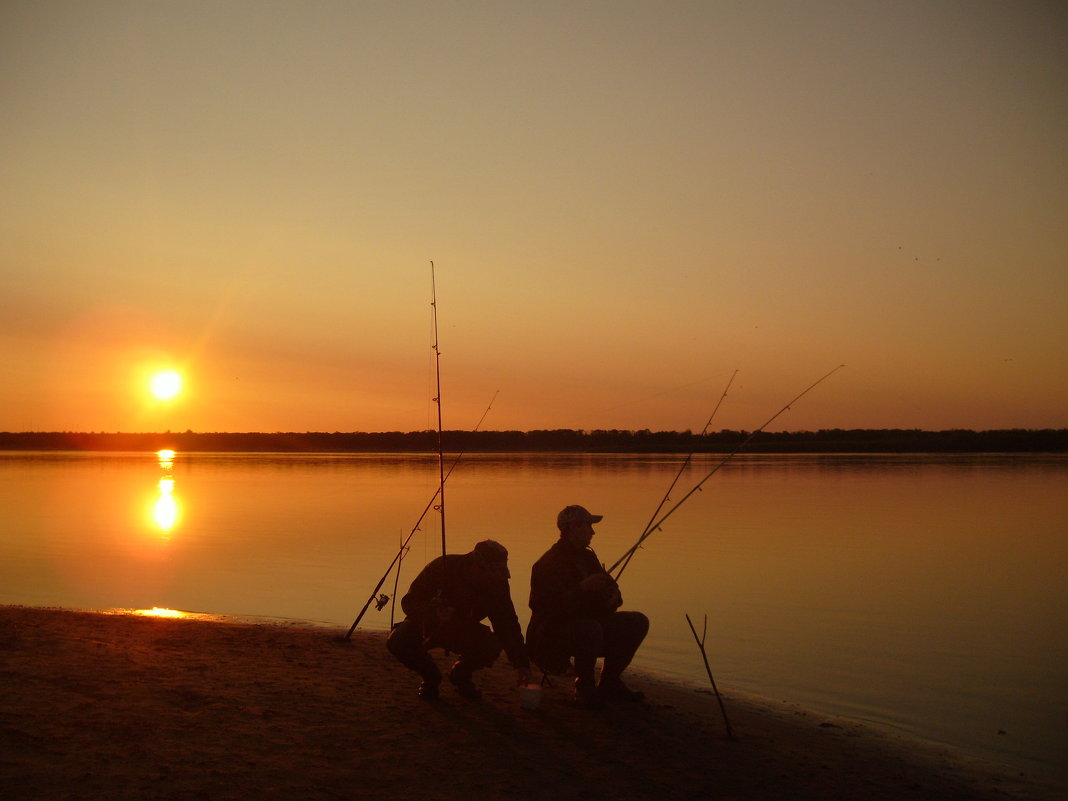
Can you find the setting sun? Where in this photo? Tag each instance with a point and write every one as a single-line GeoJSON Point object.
{"type": "Point", "coordinates": [166, 384]}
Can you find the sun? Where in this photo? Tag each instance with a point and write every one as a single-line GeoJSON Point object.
{"type": "Point", "coordinates": [166, 384]}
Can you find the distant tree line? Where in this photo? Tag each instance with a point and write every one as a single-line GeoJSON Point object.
{"type": "Point", "coordinates": [834, 440]}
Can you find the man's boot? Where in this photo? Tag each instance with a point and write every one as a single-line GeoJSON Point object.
{"type": "Point", "coordinates": [585, 687]}
{"type": "Point", "coordinates": [586, 693]}
{"type": "Point", "coordinates": [612, 688]}
{"type": "Point", "coordinates": [460, 676]}
{"type": "Point", "coordinates": [587, 641]}
{"type": "Point", "coordinates": [428, 690]}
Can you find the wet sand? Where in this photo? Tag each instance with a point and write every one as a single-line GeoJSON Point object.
{"type": "Point", "coordinates": [108, 706]}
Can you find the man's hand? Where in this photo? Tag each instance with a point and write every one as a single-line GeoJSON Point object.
{"type": "Point", "coordinates": [597, 583]}
{"type": "Point", "coordinates": [604, 588]}
{"type": "Point", "coordinates": [615, 599]}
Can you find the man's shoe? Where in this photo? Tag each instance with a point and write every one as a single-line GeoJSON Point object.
{"type": "Point", "coordinates": [586, 695]}
{"type": "Point", "coordinates": [464, 686]}
{"type": "Point", "coordinates": [428, 690]}
{"type": "Point", "coordinates": [616, 690]}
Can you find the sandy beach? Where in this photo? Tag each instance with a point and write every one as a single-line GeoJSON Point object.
{"type": "Point", "coordinates": [116, 706]}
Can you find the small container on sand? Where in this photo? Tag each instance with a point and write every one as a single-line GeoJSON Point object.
{"type": "Point", "coordinates": [530, 696]}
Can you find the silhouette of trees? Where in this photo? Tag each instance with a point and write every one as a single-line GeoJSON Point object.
{"type": "Point", "coordinates": [563, 440]}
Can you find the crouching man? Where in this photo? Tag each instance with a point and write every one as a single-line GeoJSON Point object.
{"type": "Point", "coordinates": [574, 603]}
{"type": "Point", "coordinates": [445, 607]}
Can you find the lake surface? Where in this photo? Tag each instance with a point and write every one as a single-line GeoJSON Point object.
{"type": "Point", "coordinates": [926, 594]}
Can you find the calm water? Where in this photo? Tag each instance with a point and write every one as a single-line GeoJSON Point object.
{"type": "Point", "coordinates": [922, 593]}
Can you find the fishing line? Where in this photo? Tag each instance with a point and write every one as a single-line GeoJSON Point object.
{"type": "Point", "coordinates": [655, 526]}
{"type": "Point", "coordinates": [678, 475]}
{"type": "Point", "coordinates": [437, 400]}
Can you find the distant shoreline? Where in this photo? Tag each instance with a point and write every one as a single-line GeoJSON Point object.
{"type": "Point", "coordinates": [553, 441]}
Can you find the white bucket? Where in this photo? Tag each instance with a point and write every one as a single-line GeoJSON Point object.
{"type": "Point", "coordinates": [530, 696]}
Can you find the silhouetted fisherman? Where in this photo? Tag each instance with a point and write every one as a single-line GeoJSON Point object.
{"type": "Point", "coordinates": [574, 603]}
{"type": "Point", "coordinates": [445, 606]}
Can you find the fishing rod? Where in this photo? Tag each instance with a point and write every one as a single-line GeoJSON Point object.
{"type": "Point", "coordinates": [396, 587]}
{"type": "Point", "coordinates": [678, 475]}
{"type": "Point", "coordinates": [380, 601]}
{"type": "Point", "coordinates": [403, 549]}
{"type": "Point", "coordinates": [437, 400]}
{"type": "Point", "coordinates": [697, 487]}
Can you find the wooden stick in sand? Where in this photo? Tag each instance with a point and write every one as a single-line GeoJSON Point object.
{"type": "Point", "coordinates": [701, 644]}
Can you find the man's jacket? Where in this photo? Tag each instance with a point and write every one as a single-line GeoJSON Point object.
{"type": "Point", "coordinates": [556, 598]}
{"type": "Point", "coordinates": [456, 580]}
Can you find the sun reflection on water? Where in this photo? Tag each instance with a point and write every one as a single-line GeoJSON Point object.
{"type": "Point", "coordinates": [165, 510]}
{"type": "Point", "coordinates": [156, 611]}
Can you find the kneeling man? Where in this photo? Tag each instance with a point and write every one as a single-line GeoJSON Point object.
{"type": "Point", "coordinates": [445, 606]}
{"type": "Point", "coordinates": [574, 603]}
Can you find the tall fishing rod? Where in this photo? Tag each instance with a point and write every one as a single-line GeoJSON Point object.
{"type": "Point", "coordinates": [403, 550]}
{"type": "Point", "coordinates": [437, 400]}
{"type": "Point", "coordinates": [682, 469]}
{"type": "Point", "coordinates": [374, 597]}
{"type": "Point", "coordinates": [656, 525]}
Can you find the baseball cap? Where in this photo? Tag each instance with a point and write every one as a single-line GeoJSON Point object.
{"type": "Point", "coordinates": [494, 558]}
{"type": "Point", "coordinates": [575, 514]}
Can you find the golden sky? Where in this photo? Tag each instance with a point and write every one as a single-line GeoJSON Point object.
{"type": "Point", "coordinates": [625, 202]}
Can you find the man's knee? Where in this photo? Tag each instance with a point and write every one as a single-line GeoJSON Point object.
{"type": "Point", "coordinates": [637, 622]}
{"type": "Point", "coordinates": [587, 628]}
{"type": "Point", "coordinates": [405, 640]}
{"type": "Point", "coordinates": [628, 628]}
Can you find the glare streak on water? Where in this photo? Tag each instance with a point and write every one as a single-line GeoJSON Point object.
{"type": "Point", "coordinates": [922, 593]}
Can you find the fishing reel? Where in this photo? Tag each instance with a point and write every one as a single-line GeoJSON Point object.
{"type": "Point", "coordinates": [381, 601]}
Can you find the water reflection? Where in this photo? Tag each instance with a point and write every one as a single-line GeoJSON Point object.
{"type": "Point", "coordinates": [156, 611]}
{"type": "Point", "coordinates": [165, 510]}
{"type": "Point", "coordinates": [922, 591]}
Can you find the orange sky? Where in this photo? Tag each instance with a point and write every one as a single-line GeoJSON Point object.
{"type": "Point", "coordinates": [625, 202]}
